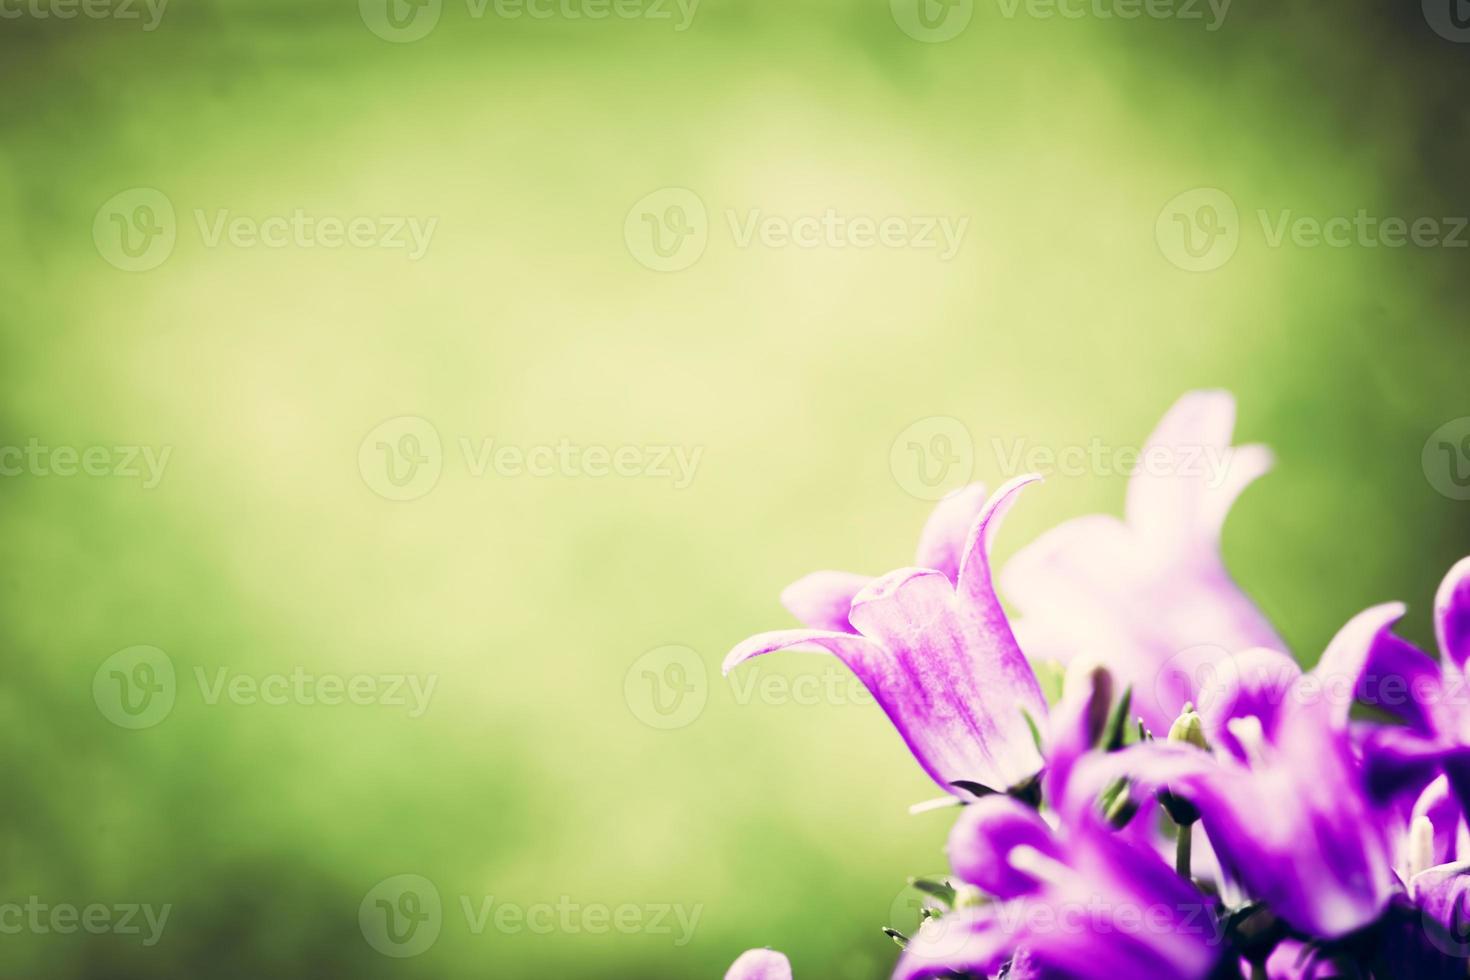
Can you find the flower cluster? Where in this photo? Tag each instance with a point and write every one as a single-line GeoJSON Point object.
{"type": "Point", "coordinates": [1194, 805]}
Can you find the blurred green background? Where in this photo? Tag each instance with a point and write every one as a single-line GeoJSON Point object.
{"type": "Point", "coordinates": [538, 775]}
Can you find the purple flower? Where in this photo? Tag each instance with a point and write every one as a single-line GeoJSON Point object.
{"type": "Point", "coordinates": [1081, 903]}
{"type": "Point", "coordinates": [1133, 594]}
{"type": "Point", "coordinates": [1284, 802]}
{"type": "Point", "coordinates": [1431, 699]}
{"type": "Point", "coordinates": [759, 964]}
{"type": "Point", "coordinates": [933, 646]}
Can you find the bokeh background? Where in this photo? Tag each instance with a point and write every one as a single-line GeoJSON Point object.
{"type": "Point", "coordinates": [542, 772]}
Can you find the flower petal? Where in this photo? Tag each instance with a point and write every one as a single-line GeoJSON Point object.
{"type": "Point", "coordinates": [1443, 811]}
{"type": "Point", "coordinates": [1345, 661]}
{"type": "Point", "coordinates": [967, 941]}
{"type": "Point", "coordinates": [1189, 475]}
{"type": "Point", "coordinates": [1122, 912]}
{"type": "Point", "coordinates": [822, 600]}
{"type": "Point", "coordinates": [942, 542]}
{"type": "Point", "coordinates": [975, 575]}
{"type": "Point", "coordinates": [952, 679]}
{"type": "Point", "coordinates": [1443, 896]}
{"type": "Point", "coordinates": [760, 964]}
{"type": "Point", "coordinates": [1452, 614]}
{"type": "Point", "coordinates": [1075, 727]}
{"type": "Point", "coordinates": [1297, 829]}
{"type": "Point", "coordinates": [854, 651]}
{"type": "Point", "coordinates": [1136, 595]}
{"type": "Point", "coordinates": [981, 842]}
{"type": "Point", "coordinates": [1397, 762]}
{"type": "Point", "coordinates": [1254, 682]}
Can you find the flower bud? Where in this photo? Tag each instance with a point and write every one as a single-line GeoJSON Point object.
{"type": "Point", "coordinates": [1189, 728]}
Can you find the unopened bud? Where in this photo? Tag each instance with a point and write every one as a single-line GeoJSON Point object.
{"type": "Point", "coordinates": [1189, 728]}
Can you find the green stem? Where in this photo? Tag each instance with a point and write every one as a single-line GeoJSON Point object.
{"type": "Point", "coordinates": [1183, 846]}
{"type": "Point", "coordinates": [1258, 971]}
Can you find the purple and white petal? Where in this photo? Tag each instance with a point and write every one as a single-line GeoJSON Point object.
{"type": "Point", "coordinates": [1452, 614]}
{"type": "Point", "coordinates": [1138, 595]}
{"type": "Point", "coordinates": [981, 842]}
{"type": "Point", "coordinates": [952, 680]}
{"type": "Point", "coordinates": [974, 941]}
{"type": "Point", "coordinates": [942, 542]}
{"type": "Point", "coordinates": [760, 964]}
{"type": "Point", "coordinates": [822, 600]}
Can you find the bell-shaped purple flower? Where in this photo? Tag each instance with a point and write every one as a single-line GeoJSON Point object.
{"type": "Point", "coordinates": [1137, 593]}
{"type": "Point", "coordinates": [934, 648]}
